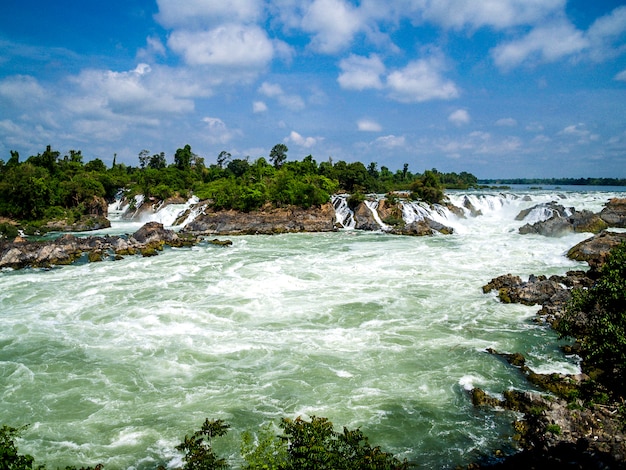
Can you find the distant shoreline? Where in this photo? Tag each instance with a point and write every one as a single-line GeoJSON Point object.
{"type": "Point", "coordinates": [556, 181]}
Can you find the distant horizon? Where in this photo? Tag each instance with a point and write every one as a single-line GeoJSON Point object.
{"type": "Point", "coordinates": [530, 89]}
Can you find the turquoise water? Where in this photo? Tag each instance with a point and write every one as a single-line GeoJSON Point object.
{"type": "Point", "coordinates": [115, 362]}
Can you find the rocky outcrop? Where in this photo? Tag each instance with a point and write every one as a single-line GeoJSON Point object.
{"type": "Point", "coordinates": [149, 239]}
{"type": "Point", "coordinates": [561, 221]}
{"type": "Point", "coordinates": [595, 249]}
{"type": "Point", "coordinates": [422, 228]}
{"type": "Point", "coordinates": [555, 430]}
{"type": "Point", "coordinates": [267, 221]}
{"type": "Point", "coordinates": [614, 213]}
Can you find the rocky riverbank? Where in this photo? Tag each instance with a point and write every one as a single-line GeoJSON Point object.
{"type": "Point", "coordinates": [558, 429]}
{"type": "Point", "coordinates": [147, 241]}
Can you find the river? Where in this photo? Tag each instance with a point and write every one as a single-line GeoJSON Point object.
{"type": "Point", "coordinates": [115, 362]}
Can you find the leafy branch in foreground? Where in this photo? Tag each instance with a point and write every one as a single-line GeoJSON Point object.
{"type": "Point", "coordinates": [596, 317]}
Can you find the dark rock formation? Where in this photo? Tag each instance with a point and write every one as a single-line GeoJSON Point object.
{"type": "Point", "coordinates": [267, 221]}
{"type": "Point", "coordinates": [562, 221]}
{"type": "Point", "coordinates": [68, 248]}
{"type": "Point", "coordinates": [614, 213]}
{"type": "Point", "coordinates": [364, 218]}
{"type": "Point", "coordinates": [595, 249]}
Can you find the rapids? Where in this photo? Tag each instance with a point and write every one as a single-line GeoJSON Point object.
{"type": "Point", "coordinates": [115, 362]}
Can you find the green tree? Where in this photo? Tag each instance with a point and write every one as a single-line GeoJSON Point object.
{"type": "Point", "coordinates": [183, 158]}
{"type": "Point", "coordinates": [278, 155]}
{"type": "Point", "coordinates": [10, 459]}
{"type": "Point", "coordinates": [597, 318]}
{"type": "Point", "coordinates": [198, 447]}
{"type": "Point", "coordinates": [223, 158]}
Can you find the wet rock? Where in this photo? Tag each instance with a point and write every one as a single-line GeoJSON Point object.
{"type": "Point", "coordinates": [268, 221]}
{"type": "Point", "coordinates": [614, 213]}
{"type": "Point", "coordinates": [561, 221]}
{"type": "Point", "coordinates": [68, 248]}
{"type": "Point", "coordinates": [595, 249]}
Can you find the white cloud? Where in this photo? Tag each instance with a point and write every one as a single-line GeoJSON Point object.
{"type": "Point", "coordinates": [367, 125]}
{"type": "Point", "coordinates": [359, 73]}
{"type": "Point", "coordinates": [300, 141]}
{"type": "Point", "coordinates": [621, 76]}
{"type": "Point", "coordinates": [506, 122]}
{"type": "Point", "coordinates": [580, 132]}
{"type": "Point", "coordinates": [193, 13]}
{"type": "Point", "coordinates": [137, 92]}
{"type": "Point", "coordinates": [391, 141]}
{"type": "Point", "coordinates": [289, 101]}
{"type": "Point", "coordinates": [21, 89]}
{"type": "Point", "coordinates": [459, 117]}
{"type": "Point", "coordinates": [230, 45]}
{"type": "Point", "coordinates": [605, 32]}
{"type": "Point", "coordinates": [499, 14]}
{"type": "Point", "coordinates": [543, 44]}
{"type": "Point", "coordinates": [216, 131]}
{"type": "Point", "coordinates": [259, 107]}
{"type": "Point", "coordinates": [421, 80]}
{"type": "Point", "coordinates": [333, 24]}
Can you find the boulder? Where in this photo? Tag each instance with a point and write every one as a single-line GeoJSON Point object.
{"type": "Point", "coordinates": [364, 218]}
{"type": "Point", "coordinates": [594, 250]}
{"type": "Point", "coordinates": [266, 221]}
{"type": "Point", "coordinates": [614, 213]}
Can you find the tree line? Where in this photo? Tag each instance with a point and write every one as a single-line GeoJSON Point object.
{"type": "Point", "coordinates": [48, 186]}
{"type": "Point", "coordinates": [559, 181]}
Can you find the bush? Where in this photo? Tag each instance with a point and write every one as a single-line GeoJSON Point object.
{"type": "Point", "coordinates": [597, 318]}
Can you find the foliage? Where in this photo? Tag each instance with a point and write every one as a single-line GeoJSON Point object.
{"type": "Point", "coordinates": [302, 445]}
{"type": "Point", "coordinates": [314, 444]}
{"type": "Point", "coordinates": [597, 318]}
{"type": "Point", "coordinates": [427, 188]}
{"type": "Point", "coordinates": [199, 454]}
{"type": "Point", "coordinates": [50, 186]}
{"type": "Point", "coordinates": [10, 459]}
{"type": "Point", "coordinates": [278, 155]}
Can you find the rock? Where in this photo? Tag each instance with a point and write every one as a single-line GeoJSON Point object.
{"type": "Point", "coordinates": [560, 221]}
{"type": "Point", "coordinates": [364, 218]}
{"type": "Point", "coordinates": [595, 249]}
{"type": "Point", "coordinates": [217, 242]}
{"type": "Point", "coordinates": [268, 221]}
{"type": "Point", "coordinates": [504, 281]}
{"type": "Point", "coordinates": [614, 213]}
{"type": "Point", "coordinates": [67, 248]}
{"type": "Point", "coordinates": [421, 228]}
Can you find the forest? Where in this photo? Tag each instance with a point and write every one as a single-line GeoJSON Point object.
{"type": "Point", "coordinates": [48, 186]}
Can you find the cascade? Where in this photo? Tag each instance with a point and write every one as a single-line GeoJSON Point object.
{"type": "Point", "coordinates": [373, 207]}
{"type": "Point", "coordinates": [343, 213]}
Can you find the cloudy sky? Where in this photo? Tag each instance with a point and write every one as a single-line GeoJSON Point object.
{"type": "Point", "coordinates": [498, 88]}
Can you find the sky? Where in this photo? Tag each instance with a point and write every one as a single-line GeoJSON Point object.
{"type": "Point", "coordinates": [497, 88]}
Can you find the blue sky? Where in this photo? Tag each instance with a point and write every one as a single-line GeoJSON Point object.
{"type": "Point", "coordinates": [498, 88]}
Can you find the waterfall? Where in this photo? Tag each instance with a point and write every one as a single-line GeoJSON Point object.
{"type": "Point", "coordinates": [343, 213]}
{"type": "Point", "coordinates": [373, 207]}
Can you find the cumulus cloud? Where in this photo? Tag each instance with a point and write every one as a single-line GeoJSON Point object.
{"type": "Point", "coordinates": [542, 44]}
{"type": "Point", "coordinates": [193, 13]}
{"type": "Point", "coordinates": [259, 107]}
{"type": "Point", "coordinates": [367, 125]}
{"type": "Point", "coordinates": [580, 132]}
{"type": "Point", "coordinates": [459, 117]}
{"type": "Point", "coordinates": [21, 89]}
{"type": "Point", "coordinates": [391, 141]}
{"type": "Point", "coordinates": [135, 92]}
{"type": "Point", "coordinates": [421, 80]}
{"type": "Point", "coordinates": [499, 14]}
{"type": "Point", "coordinates": [231, 45]}
{"type": "Point", "coordinates": [359, 73]}
{"type": "Point", "coordinates": [333, 24]}
{"type": "Point", "coordinates": [299, 140]}
{"type": "Point", "coordinates": [289, 101]}
{"type": "Point", "coordinates": [217, 132]}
